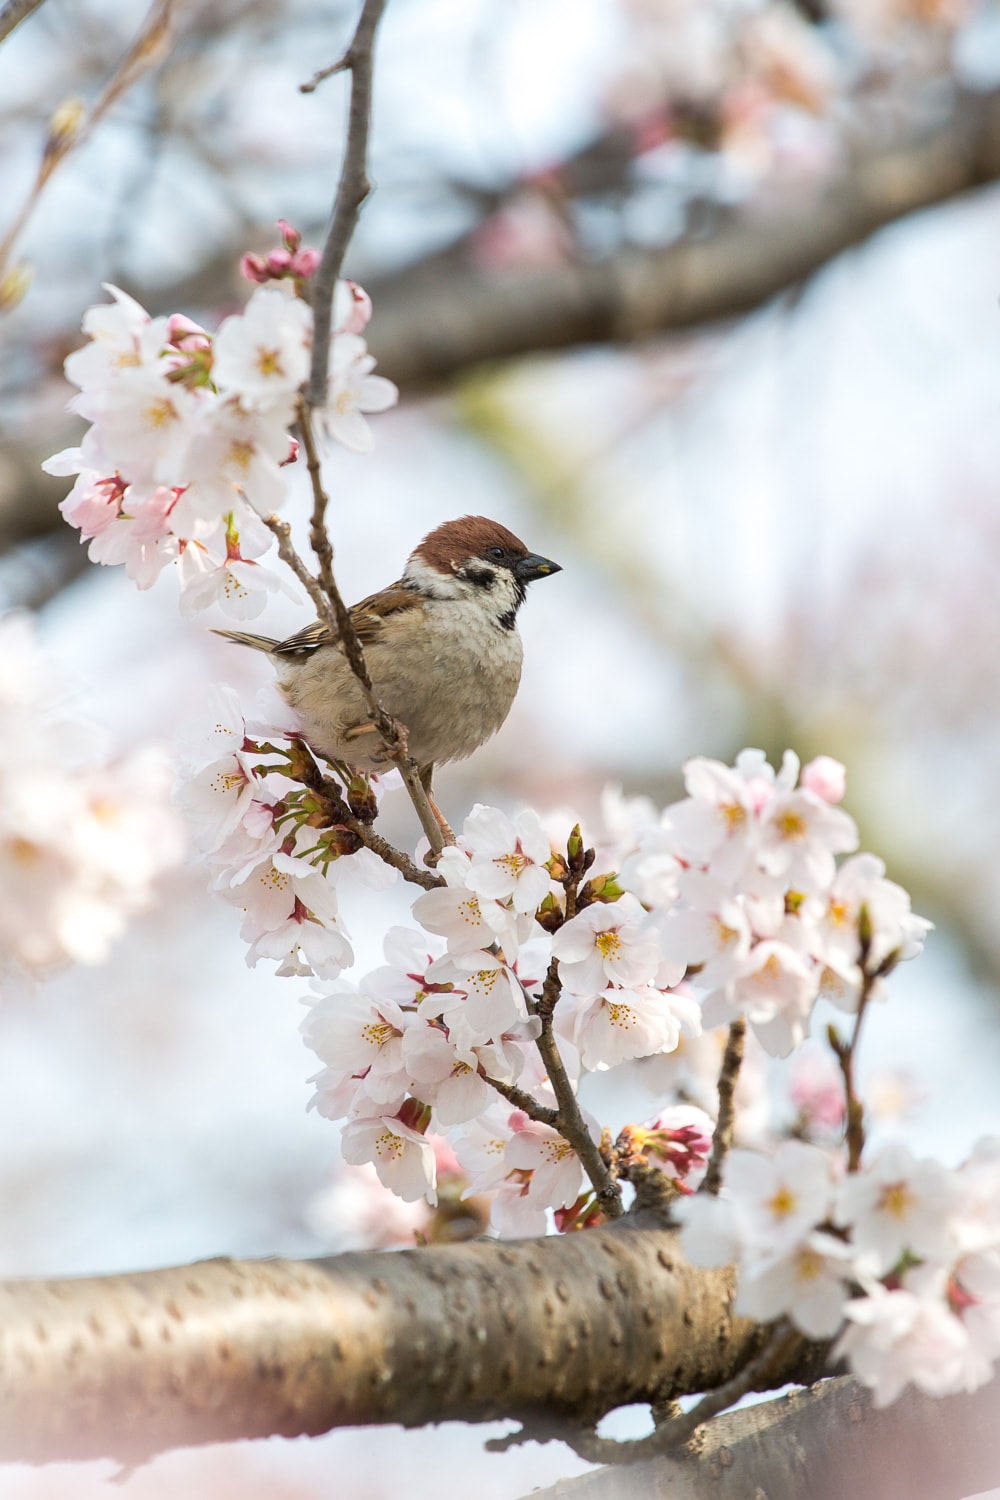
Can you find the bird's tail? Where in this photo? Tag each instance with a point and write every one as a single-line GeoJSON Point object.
{"type": "Point", "coordinates": [255, 642]}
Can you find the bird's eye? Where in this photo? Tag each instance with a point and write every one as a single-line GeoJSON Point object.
{"type": "Point", "coordinates": [495, 552]}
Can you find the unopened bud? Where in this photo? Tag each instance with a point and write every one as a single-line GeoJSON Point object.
{"type": "Point", "coordinates": [64, 126]}
{"type": "Point", "coordinates": [14, 286]}
{"type": "Point", "coordinates": [361, 799]}
{"type": "Point", "coordinates": [414, 1114]}
{"type": "Point", "coordinates": [304, 263]}
{"type": "Point", "coordinates": [291, 238]}
{"type": "Point", "coordinates": [253, 268]}
{"type": "Point", "coordinates": [601, 888]}
{"type": "Point", "coordinates": [550, 914]}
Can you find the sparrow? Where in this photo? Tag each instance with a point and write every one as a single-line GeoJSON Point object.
{"type": "Point", "coordinates": [441, 645]}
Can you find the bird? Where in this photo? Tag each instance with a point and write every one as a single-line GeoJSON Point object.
{"type": "Point", "coordinates": [441, 645]}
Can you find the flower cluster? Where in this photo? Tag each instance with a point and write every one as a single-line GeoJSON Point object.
{"type": "Point", "coordinates": [743, 872]}
{"type": "Point", "coordinates": [901, 1258]}
{"type": "Point", "coordinates": [275, 847]}
{"type": "Point", "coordinates": [82, 838]}
{"type": "Point", "coordinates": [189, 436]}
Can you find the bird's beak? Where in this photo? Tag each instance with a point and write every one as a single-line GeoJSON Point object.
{"type": "Point", "coordinates": [527, 569]}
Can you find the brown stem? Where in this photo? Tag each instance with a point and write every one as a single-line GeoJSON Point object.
{"type": "Point", "coordinates": [572, 1127]}
{"type": "Point", "coordinates": [352, 190]}
{"type": "Point", "coordinates": [323, 786]}
{"type": "Point", "coordinates": [722, 1138]}
{"type": "Point", "coordinates": [13, 13]}
{"type": "Point", "coordinates": [524, 1101]}
{"type": "Point", "coordinates": [854, 1133]}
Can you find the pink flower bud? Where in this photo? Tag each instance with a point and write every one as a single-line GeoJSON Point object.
{"type": "Point", "coordinates": [278, 262]}
{"type": "Point", "coordinates": [253, 268]}
{"type": "Point", "coordinates": [825, 778]}
{"type": "Point", "coordinates": [291, 238]}
{"type": "Point", "coordinates": [187, 335]}
{"type": "Point", "coordinates": [304, 262]}
{"type": "Point", "coordinates": [293, 452]}
{"type": "Point", "coordinates": [518, 1120]}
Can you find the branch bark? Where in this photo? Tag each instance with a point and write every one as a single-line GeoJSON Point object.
{"type": "Point", "coordinates": [563, 1328]}
{"type": "Point", "coordinates": [436, 320]}
{"type": "Point", "coordinates": [827, 1443]}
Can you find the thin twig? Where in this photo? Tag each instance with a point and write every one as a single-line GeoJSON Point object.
{"type": "Point", "coordinates": [336, 616]}
{"type": "Point", "coordinates": [144, 53]}
{"type": "Point", "coordinates": [524, 1101]}
{"type": "Point", "coordinates": [310, 775]}
{"type": "Point", "coordinates": [722, 1137]}
{"type": "Point", "coordinates": [13, 13]}
{"type": "Point", "coordinates": [573, 1128]}
{"type": "Point", "coordinates": [319, 537]}
{"type": "Point", "coordinates": [352, 190]}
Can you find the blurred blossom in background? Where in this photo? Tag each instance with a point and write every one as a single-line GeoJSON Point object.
{"type": "Point", "coordinates": [777, 529]}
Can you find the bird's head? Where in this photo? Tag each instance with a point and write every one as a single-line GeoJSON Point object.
{"type": "Point", "coordinates": [477, 559]}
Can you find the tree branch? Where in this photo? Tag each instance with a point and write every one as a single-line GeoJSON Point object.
{"type": "Point", "coordinates": [352, 191]}
{"type": "Point", "coordinates": [722, 1136]}
{"type": "Point", "coordinates": [567, 1327]}
{"type": "Point", "coordinates": [441, 318]}
{"type": "Point", "coordinates": [14, 12]}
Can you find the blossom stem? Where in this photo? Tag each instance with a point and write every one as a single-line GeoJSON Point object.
{"type": "Point", "coordinates": [722, 1138]}
{"type": "Point", "coordinates": [352, 189]}
{"type": "Point", "coordinates": [854, 1133]}
{"type": "Point", "coordinates": [524, 1101]}
{"type": "Point", "coordinates": [571, 1125]}
{"type": "Point", "coordinates": [307, 771]}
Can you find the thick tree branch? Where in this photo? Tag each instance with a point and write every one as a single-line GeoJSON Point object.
{"type": "Point", "coordinates": [439, 319]}
{"type": "Point", "coordinates": [827, 1443]}
{"type": "Point", "coordinates": [564, 1328]}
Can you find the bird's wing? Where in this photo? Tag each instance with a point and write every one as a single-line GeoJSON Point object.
{"type": "Point", "coordinates": [368, 617]}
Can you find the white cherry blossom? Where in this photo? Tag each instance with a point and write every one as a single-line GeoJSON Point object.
{"type": "Point", "coordinates": [262, 354]}
{"type": "Point", "coordinates": [403, 1158]}
{"type": "Point", "coordinates": [508, 857]}
{"type": "Point", "coordinates": [607, 943]}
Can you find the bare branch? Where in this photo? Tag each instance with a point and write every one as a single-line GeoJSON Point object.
{"type": "Point", "coordinates": [14, 12]}
{"type": "Point", "coordinates": [352, 191]}
{"type": "Point", "coordinates": [66, 135]}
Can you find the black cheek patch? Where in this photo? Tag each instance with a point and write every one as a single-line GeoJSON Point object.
{"type": "Point", "coordinates": [483, 578]}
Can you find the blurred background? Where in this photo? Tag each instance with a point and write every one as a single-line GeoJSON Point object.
{"type": "Point", "coordinates": [700, 297]}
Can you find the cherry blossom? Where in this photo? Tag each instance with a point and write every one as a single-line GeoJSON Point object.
{"type": "Point", "coordinates": [508, 857]}
{"type": "Point", "coordinates": [403, 1157]}
{"type": "Point", "coordinates": [605, 943]}
{"type": "Point", "coordinates": [897, 1204]}
{"type": "Point", "coordinates": [354, 390]}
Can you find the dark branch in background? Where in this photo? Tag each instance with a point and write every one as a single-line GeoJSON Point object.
{"type": "Point", "coordinates": [352, 190]}
{"type": "Point", "coordinates": [445, 315]}
{"type": "Point", "coordinates": [14, 12]}
{"type": "Point", "coordinates": [439, 318]}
